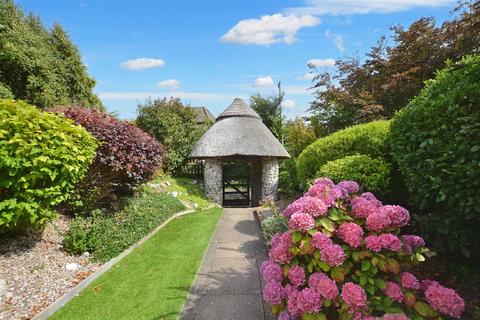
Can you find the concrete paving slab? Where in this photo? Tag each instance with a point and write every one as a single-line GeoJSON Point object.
{"type": "Point", "coordinates": [231, 307]}
{"type": "Point", "coordinates": [228, 283]}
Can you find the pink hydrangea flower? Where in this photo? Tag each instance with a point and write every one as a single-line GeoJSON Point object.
{"type": "Point", "coordinates": [301, 221]}
{"type": "Point", "coordinates": [332, 254]}
{"type": "Point", "coordinates": [308, 300]}
{"type": "Point", "coordinates": [371, 197]}
{"type": "Point", "coordinates": [271, 271]}
{"type": "Point", "coordinates": [284, 315]}
{"type": "Point", "coordinates": [362, 208]}
{"type": "Point", "coordinates": [354, 296]}
{"type": "Point", "coordinates": [324, 181]}
{"type": "Point", "coordinates": [377, 221]}
{"type": "Point", "coordinates": [424, 284]}
{"type": "Point", "coordinates": [350, 186]}
{"type": "Point", "coordinates": [350, 233]}
{"type": "Point", "coordinates": [399, 216]}
{"type": "Point", "coordinates": [296, 275]}
{"type": "Point", "coordinates": [295, 206]}
{"type": "Point", "coordinates": [414, 241]}
{"type": "Point", "coordinates": [280, 248]}
{"type": "Point", "coordinates": [395, 316]}
{"type": "Point", "coordinates": [273, 293]}
{"type": "Point", "coordinates": [314, 206]}
{"type": "Point", "coordinates": [292, 307]}
{"type": "Point", "coordinates": [391, 242]}
{"type": "Point", "coordinates": [320, 240]}
{"type": "Point", "coordinates": [325, 286]}
{"type": "Point", "coordinates": [277, 237]}
{"type": "Point", "coordinates": [373, 243]}
{"type": "Point", "coordinates": [393, 291]}
{"type": "Point", "coordinates": [325, 190]}
{"type": "Point", "coordinates": [445, 300]}
{"type": "Point", "coordinates": [409, 281]}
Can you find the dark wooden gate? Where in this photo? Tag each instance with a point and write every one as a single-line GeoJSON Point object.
{"type": "Point", "coordinates": [236, 183]}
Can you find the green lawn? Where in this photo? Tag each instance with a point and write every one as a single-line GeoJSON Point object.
{"type": "Point", "coordinates": [153, 281]}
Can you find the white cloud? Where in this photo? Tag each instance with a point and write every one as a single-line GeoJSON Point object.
{"type": "Point", "coordinates": [170, 84]}
{"type": "Point", "coordinates": [321, 63]}
{"type": "Point", "coordinates": [295, 90]}
{"type": "Point", "coordinates": [266, 81]}
{"type": "Point", "coordinates": [142, 63]}
{"type": "Point", "coordinates": [337, 40]}
{"type": "Point", "coordinates": [267, 30]}
{"type": "Point", "coordinates": [307, 76]}
{"type": "Point", "coordinates": [288, 103]}
{"type": "Point", "coordinates": [348, 7]}
{"type": "Point", "coordinates": [179, 94]}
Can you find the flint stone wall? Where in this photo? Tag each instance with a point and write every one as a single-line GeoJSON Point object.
{"type": "Point", "coordinates": [269, 178]}
{"type": "Point", "coordinates": [212, 179]}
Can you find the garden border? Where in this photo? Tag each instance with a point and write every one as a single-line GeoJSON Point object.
{"type": "Point", "coordinates": [60, 302]}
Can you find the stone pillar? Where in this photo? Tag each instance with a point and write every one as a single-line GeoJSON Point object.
{"type": "Point", "coordinates": [212, 179]}
{"type": "Point", "coordinates": [269, 177]}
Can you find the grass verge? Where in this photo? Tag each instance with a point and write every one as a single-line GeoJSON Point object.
{"type": "Point", "coordinates": [153, 281]}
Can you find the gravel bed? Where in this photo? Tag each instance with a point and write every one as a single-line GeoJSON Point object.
{"type": "Point", "coordinates": [34, 271]}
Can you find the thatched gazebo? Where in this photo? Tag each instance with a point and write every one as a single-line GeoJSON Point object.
{"type": "Point", "coordinates": [241, 157]}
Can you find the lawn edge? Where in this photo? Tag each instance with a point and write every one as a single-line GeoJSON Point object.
{"type": "Point", "coordinates": [63, 300]}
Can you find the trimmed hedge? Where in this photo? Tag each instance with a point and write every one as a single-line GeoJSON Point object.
{"type": "Point", "coordinates": [436, 142]}
{"type": "Point", "coordinates": [42, 157]}
{"type": "Point", "coordinates": [126, 157]}
{"type": "Point", "coordinates": [108, 236]}
{"type": "Point", "coordinates": [371, 139]}
{"type": "Point", "coordinates": [371, 173]}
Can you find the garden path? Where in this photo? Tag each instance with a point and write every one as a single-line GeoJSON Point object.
{"type": "Point", "coordinates": [228, 283]}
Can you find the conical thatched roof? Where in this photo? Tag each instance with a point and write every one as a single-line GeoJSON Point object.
{"type": "Point", "coordinates": [238, 131]}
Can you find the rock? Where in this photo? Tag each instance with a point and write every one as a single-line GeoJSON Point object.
{"type": "Point", "coordinates": [168, 183]}
{"type": "Point", "coordinates": [195, 205]}
{"type": "Point", "coordinates": [71, 266]}
{"type": "Point", "coordinates": [86, 254]}
{"type": "Point", "coordinates": [173, 193]}
{"type": "Point", "coordinates": [3, 288]}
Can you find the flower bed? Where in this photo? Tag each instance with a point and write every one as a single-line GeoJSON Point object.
{"type": "Point", "coordinates": [343, 257]}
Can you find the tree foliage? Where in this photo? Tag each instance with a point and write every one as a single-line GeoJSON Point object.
{"type": "Point", "coordinates": [174, 125]}
{"type": "Point", "coordinates": [391, 75]}
{"type": "Point", "coordinates": [270, 110]}
{"type": "Point", "coordinates": [40, 65]}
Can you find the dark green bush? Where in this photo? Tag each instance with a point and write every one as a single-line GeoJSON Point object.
{"type": "Point", "coordinates": [42, 157]}
{"type": "Point", "coordinates": [372, 174]}
{"type": "Point", "coordinates": [371, 139]}
{"type": "Point", "coordinates": [436, 142]}
{"type": "Point", "coordinates": [106, 236]}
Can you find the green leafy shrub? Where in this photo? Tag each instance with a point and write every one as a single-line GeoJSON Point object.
{"type": "Point", "coordinates": [42, 157]}
{"type": "Point", "coordinates": [372, 174]}
{"type": "Point", "coordinates": [174, 125]}
{"type": "Point", "coordinates": [272, 225]}
{"type": "Point", "coordinates": [436, 142]}
{"type": "Point", "coordinates": [127, 157]}
{"type": "Point", "coordinates": [106, 236]}
{"type": "Point", "coordinates": [371, 139]}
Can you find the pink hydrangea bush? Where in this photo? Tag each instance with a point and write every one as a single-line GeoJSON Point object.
{"type": "Point", "coordinates": [343, 258]}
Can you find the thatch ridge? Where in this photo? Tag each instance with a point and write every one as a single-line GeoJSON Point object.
{"type": "Point", "coordinates": [238, 131]}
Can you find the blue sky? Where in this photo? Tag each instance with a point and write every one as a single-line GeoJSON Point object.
{"type": "Point", "coordinates": [209, 52]}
